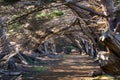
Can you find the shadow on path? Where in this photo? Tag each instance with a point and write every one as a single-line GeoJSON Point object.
{"type": "Point", "coordinates": [69, 67]}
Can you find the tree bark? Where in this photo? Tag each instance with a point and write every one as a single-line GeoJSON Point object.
{"type": "Point", "coordinates": [77, 43]}
{"type": "Point", "coordinates": [108, 7]}
{"type": "Point", "coordinates": [112, 41]}
{"type": "Point", "coordinates": [110, 65]}
{"type": "Point", "coordinates": [5, 50]}
{"type": "Point", "coordinates": [108, 10]}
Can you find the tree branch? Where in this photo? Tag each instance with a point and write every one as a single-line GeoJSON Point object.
{"type": "Point", "coordinates": [86, 9]}
{"type": "Point", "coordinates": [19, 18]}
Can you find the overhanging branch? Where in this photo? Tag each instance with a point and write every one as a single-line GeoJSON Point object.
{"type": "Point", "coordinates": [19, 18]}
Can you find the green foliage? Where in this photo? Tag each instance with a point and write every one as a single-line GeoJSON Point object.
{"type": "Point", "coordinates": [68, 49]}
{"type": "Point", "coordinates": [39, 68]}
{"type": "Point", "coordinates": [13, 27]}
{"type": "Point", "coordinates": [56, 13]}
{"type": "Point", "coordinates": [107, 77]}
{"type": "Point", "coordinates": [34, 72]}
{"type": "Point", "coordinates": [52, 14]}
{"type": "Point", "coordinates": [104, 77]}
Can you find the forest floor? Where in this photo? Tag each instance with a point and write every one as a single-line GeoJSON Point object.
{"type": "Point", "coordinates": [68, 67]}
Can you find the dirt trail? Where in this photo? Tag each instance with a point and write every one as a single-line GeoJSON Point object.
{"type": "Point", "coordinates": [69, 67]}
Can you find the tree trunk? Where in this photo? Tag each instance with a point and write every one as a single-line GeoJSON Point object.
{"type": "Point", "coordinates": [110, 61]}
{"type": "Point", "coordinates": [112, 41]}
{"type": "Point", "coordinates": [77, 43]}
{"type": "Point", "coordinates": [5, 50]}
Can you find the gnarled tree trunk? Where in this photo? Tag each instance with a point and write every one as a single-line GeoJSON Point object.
{"type": "Point", "coordinates": [111, 40]}
{"type": "Point", "coordinates": [110, 61]}
{"type": "Point", "coordinates": [5, 50]}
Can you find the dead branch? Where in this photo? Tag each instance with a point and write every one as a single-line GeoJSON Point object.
{"type": "Point", "coordinates": [83, 27]}
{"type": "Point", "coordinates": [51, 33]}
{"type": "Point", "coordinates": [73, 5]}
